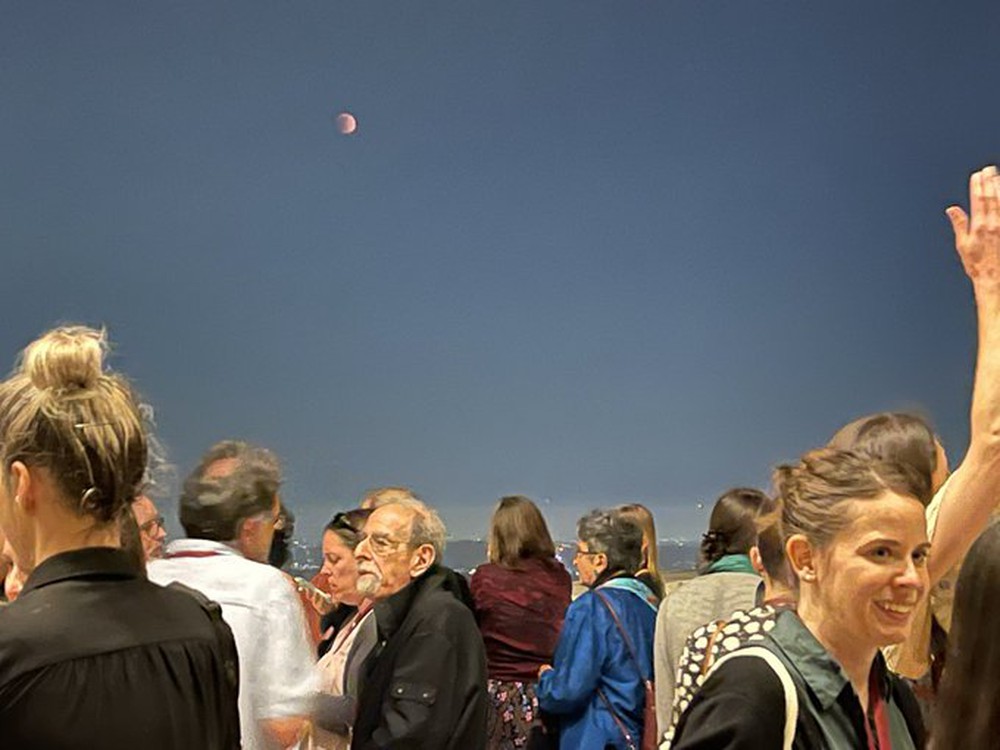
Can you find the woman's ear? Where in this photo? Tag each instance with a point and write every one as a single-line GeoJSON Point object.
{"type": "Point", "coordinates": [22, 486]}
{"type": "Point", "coordinates": [801, 557]}
{"type": "Point", "coordinates": [755, 560]}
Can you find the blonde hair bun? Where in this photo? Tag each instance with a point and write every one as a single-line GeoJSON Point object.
{"type": "Point", "coordinates": [66, 358]}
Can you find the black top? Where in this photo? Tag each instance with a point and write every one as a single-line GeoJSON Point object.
{"type": "Point", "coordinates": [92, 655]}
{"type": "Point", "coordinates": [425, 681]}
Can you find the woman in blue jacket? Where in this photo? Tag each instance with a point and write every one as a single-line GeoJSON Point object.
{"type": "Point", "coordinates": [595, 684]}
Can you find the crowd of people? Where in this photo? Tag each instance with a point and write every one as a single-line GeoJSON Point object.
{"type": "Point", "coordinates": [849, 608]}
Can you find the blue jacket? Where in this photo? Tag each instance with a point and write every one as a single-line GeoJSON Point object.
{"type": "Point", "coordinates": [591, 654]}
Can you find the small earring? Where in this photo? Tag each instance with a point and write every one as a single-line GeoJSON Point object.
{"type": "Point", "coordinates": [808, 575]}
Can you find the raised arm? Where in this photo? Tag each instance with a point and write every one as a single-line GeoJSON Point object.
{"type": "Point", "coordinates": [974, 489]}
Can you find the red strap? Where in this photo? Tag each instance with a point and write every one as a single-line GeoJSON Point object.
{"type": "Point", "coordinates": [880, 716]}
{"type": "Point", "coordinates": [192, 553]}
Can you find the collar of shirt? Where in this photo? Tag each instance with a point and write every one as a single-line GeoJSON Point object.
{"type": "Point", "coordinates": [199, 548]}
{"type": "Point", "coordinates": [822, 673]}
{"type": "Point", "coordinates": [107, 562]}
{"type": "Point", "coordinates": [390, 612]}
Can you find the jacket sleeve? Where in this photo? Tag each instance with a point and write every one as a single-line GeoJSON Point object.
{"type": "Point", "coordinates": [577, 665]}
{"type": "Point", "coordinates": [663, 673]}
{"type": "Point", "coordinates": [740, 707]}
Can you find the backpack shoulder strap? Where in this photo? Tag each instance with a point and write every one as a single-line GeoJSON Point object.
{"type": "Point", "coordinates": [787, 685]}
{"type": "Point", "coordinates": [621, 629]}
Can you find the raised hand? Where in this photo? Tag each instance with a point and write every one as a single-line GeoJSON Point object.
{"type": "Point", "coordinates": [977, 238]}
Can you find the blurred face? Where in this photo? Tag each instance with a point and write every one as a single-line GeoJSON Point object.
{"type": "Point", "coordinates": [340, 569]}
{"type": "Point", "coordinates": [257, 532]}
{"type": "Point", "coordinates": [386, 562]}
{"type": "Point", "coordinates": [151, 529]}
{"type": "Point", "coordinates": [589, 565]}
{"type": "Point", "coordinates": [870, 578]}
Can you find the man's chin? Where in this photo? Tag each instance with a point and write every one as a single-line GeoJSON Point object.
{"type": "Point", "coordinates": [368, 585]}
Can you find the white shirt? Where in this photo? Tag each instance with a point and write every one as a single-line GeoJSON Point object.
{"type": "Point", "coordinates": [278, 676]}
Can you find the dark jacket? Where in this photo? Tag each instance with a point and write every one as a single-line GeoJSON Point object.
{"type": "Point", "coordinates": [425, 682]}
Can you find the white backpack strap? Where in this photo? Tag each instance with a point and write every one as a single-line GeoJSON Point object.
{"type": "Point", "coordinates": [787, 685]}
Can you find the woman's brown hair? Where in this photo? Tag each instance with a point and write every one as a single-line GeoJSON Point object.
{"type": "Point", "coordinates": [896, 437]}
{"type": "Point", "coordinates": [732, 527]}
{"type": "Point", "coordinates": [517, 532]}
{"type": "Point", "coordinates": [61, 411]}
{"type": "Point", "coordinates": [642, 517]}
{"type": "Point", "coordinates": [811, 493]}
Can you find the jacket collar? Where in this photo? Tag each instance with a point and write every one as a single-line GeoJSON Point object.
{"type": "Point", "coordinates": [390, 612]}
{"type": "Point", "coordinates": [105, 562]}
{"type": "Point", "coordinates": [822, 673]}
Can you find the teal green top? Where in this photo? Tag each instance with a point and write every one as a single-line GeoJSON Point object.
{"type": "Point", "coordinates": [832, 703]}
{"type": "Point", "coordinates": [731, 564]}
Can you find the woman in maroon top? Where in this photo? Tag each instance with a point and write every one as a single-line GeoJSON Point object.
{"type": "Point", "coordinates": [520, 598]}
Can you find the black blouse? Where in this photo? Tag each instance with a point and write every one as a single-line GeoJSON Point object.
{"type": "Point", "coordinates": [92, 655]}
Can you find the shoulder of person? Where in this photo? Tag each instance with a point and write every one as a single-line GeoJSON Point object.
{"type": "Point", "coordinates": [741, 705]}
{"type": "Point", "coordinates": [747, 676]}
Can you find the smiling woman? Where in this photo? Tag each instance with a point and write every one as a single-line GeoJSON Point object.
{"type": "Point", "coordinates": [856, 541]}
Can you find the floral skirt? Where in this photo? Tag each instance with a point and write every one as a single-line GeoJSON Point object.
{"type": "Point", "coordinates": [514, 711]}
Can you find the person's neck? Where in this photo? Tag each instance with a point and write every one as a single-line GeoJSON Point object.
{"type": "Point", "coordinates": [855, 659]}
{"type": "Point", "coordinates": [777, 593]}
{"type": "Point", "coordinates": [73, 537]}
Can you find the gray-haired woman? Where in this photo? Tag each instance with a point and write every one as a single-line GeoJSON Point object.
{"type": "Point", "coordinates": [595, 685]}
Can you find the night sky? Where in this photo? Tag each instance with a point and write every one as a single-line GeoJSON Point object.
{"type": "Point", "coordinates": [587, 251]}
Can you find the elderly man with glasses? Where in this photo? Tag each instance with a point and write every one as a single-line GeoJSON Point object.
{"type": "Point", "coordinates": [425, 680]}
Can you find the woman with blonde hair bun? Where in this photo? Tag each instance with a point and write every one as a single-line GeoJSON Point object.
{"type": "Point", "coordinates": [72, 456]}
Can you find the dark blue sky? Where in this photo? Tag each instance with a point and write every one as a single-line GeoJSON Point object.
{"type": "Point", "coordinates": [587, 251]}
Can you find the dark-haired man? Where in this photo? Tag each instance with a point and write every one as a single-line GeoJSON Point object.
{"type": "Point", "coordinates": [229, 506]}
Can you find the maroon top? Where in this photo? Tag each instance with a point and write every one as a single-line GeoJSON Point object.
{"type": "Point", "coordinates": [520, 613]}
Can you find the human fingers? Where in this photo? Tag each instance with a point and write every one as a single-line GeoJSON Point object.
{"type": "Point", "coordinates": [983, 196]}
{"type": "Point", "coordinates": [959, 222]}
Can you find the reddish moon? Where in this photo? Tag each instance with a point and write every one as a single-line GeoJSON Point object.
{"type": "Point", "coordinates": [346, 123]}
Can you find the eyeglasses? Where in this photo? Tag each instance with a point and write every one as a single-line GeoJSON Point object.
{"type": "Point", "coordinates": [381, 544]}
{"type": "Point", "coordinates": [581, 553]}
{"type": "Point", "coordinates": [152, 523]}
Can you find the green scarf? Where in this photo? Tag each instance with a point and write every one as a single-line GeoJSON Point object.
{"type": "Point", "coordinates": [731, 564]}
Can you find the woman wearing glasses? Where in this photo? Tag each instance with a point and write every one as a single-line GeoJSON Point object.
{"type": "Point", "coordinates": [605, 653]}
